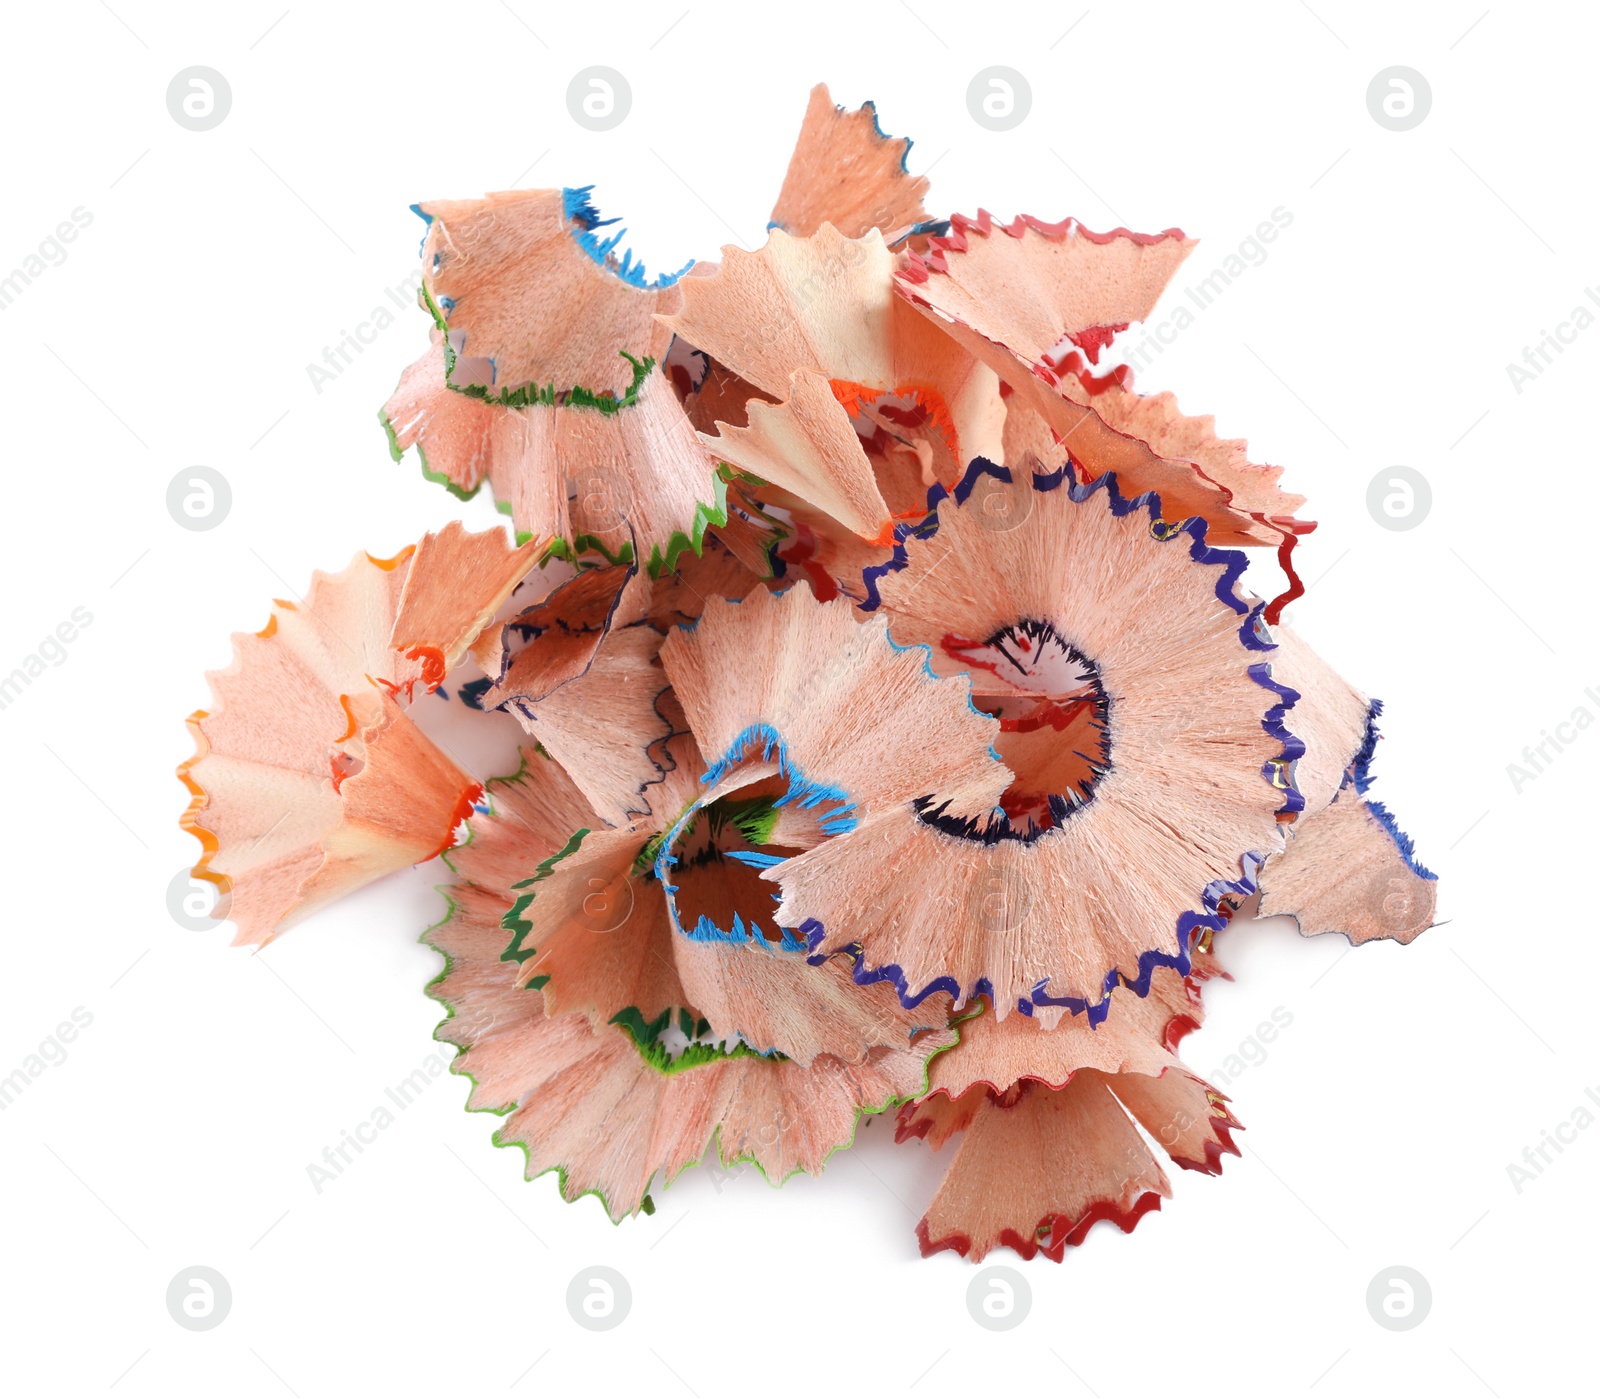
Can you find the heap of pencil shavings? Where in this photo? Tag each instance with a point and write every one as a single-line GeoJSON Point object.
{"type": "Point", "coordinates": [899, 729]}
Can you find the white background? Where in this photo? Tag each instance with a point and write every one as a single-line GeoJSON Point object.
{"type": "Point", "coordinates": [217, 267]}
